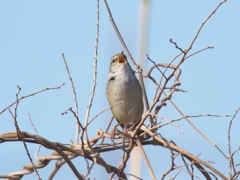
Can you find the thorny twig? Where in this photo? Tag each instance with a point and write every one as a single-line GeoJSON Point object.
{"type": "Point", "coordinates": [94, 82]}
{"type": "Point", "coordinates": [74, 98]}
{"type": "Point", "coordinates": [95, 69]}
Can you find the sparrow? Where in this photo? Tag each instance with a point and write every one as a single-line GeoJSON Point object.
{"type": "Point", "coordinates": [124, 92]}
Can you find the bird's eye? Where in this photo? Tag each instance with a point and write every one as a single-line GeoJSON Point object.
{"type": "Point", "coordinates": [114, 60]}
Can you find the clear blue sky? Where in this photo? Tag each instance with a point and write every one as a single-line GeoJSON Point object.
{"type": "Point", "coordinates": [34, 34]}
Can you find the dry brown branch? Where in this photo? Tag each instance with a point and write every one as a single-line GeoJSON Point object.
{"type": "Point", "coordinates": [61, 152]}
{"type": "Point", "coordinates": [168, 96]}
{"type": "Point", "coordinates": [235, 175]}
{"type": "Point", "coordinates": [180, 62]}
{"type": "Point", "coordinates": [177, 74]}
{"type": "Point", "coordinates": [57, 166]}
{"type": "Point", "coordinates": [186, 154]}
{"type": "Point", "coordinates": [76, 150]}
{"type": "Point", "coordinates": [185, 52]}
{"type": "Point", "coordinates": [172, 166]}
{"type": "Point", "coordinates": [171, 41]}
{"type": "Point", "coordinates": [195, 128]}
{"type": "Point", "coordinates": [157, 98]}
{"type": "Point", "coordinates": [91, 149]}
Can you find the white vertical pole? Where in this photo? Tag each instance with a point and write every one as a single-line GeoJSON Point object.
{"type": "Point", "coordinates": [142, 43]}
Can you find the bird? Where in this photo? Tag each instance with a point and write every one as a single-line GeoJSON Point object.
{"type": "Point", "coordinates": [124, 92]}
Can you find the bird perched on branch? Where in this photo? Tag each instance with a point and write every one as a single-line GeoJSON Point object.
{"type": "Point", "coordinates": [124, 92]}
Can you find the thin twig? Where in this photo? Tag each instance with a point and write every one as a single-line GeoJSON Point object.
{"type": "Point", "coordinates": [186, 154]}
{"type": "Point", "coordinates": [204, 22]}
{"type": "Point", "coordinates": [19, 132]}
{"type": "Point", "coordinates": [155, 65]}
{"type": "Point", "coordinates": [74, 98]}
{"type": "Point", "coordinates": [151, 172]}
{"type": "Point", "coordinates": [230, 158]}
{"type": "Point", "coordinates": [94, 83]}
{"type": "Point", "coordinates": [138, 178]}
{"type": "Point", "coordinates": [177, 46]}
{"type": "Point", "coordinates": [75, 115]}
{"type": "Point", "coordinates": [94, 72]}
{"type": "Point", "coordinates": [30, 95]}
{"type": "Point", "coordinates": [196, 129]}
{"type": "Point", "coordinates": [168, 122]}
{"type": "Point", "coordinates": [172, 166]}
{"type": "Point", "coordinates": [36, 131]}
{"type": "Point", "coordinates": [119, 35]}
{"type": "Point", "coordinates": [209, 47]}
{"type": "Point", "coordinates": [190, 116]}
{"type": "Point", "coordinates": [104, 111]}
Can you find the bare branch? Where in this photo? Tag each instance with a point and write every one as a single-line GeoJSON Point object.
{"type": "Point", "coordinates": [95, 68]}
{"type": "Point", "coordinates": [186, 154]}
{"type": "Point", "coordinates": [230, 157]}
{"type": "Point", "coordinates": [74, 98]}
{"type": "Point", "coordinates": [119, 35]}
{"type": "Point", "coordinates": [204, 22]}
{"type": "Point", "coordinates": [146, 160]}
{"type": "Point", "coordinates": [177, 46]}
{"type": "Point", "coordinates": [19, 134]}
{"type": "Point", "coordinates": [209, 47]}
{"type": "Point", "coordinates": [196, 129]}
{"type": "Point", "coordinates": [46, 89]}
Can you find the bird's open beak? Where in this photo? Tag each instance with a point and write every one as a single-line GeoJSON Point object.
{"type": "Point", "coordinates": [122, 58]}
